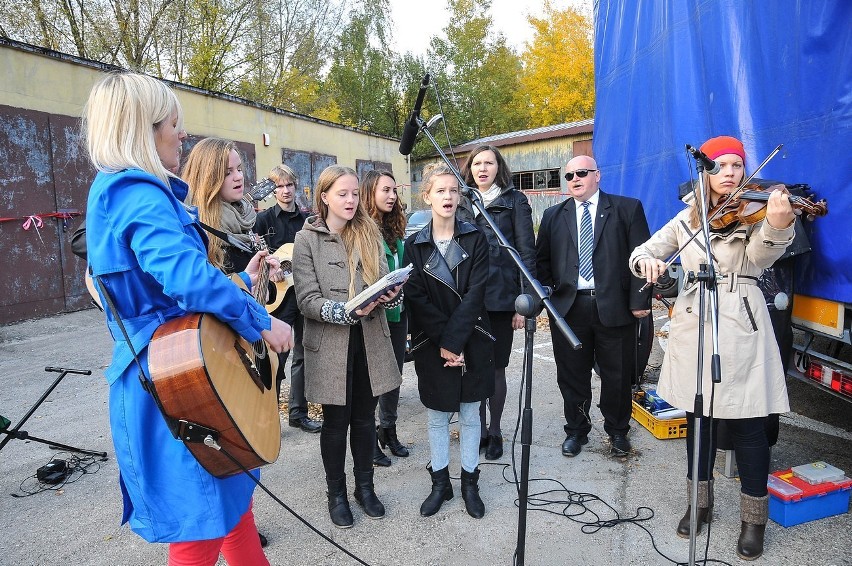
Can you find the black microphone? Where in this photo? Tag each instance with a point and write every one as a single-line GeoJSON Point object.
{"type": "Point", "coordinates": [709, 165]}
{"type": "Point", "coordinates": [409, 134]}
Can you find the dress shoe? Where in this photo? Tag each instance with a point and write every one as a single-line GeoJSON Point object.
{"type": "Point", "coordinates": [307, 424]}
{"type": "Point", "coordinates": [263, 541]}
{"type": "Point", "coordinates": [495, 447]}
{"type": "Point", "coordinates": [573, 444]}
{"type": "Point", "coordinates": [620, 446]}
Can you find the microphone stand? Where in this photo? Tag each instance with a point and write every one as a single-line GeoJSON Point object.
{"type": "Point", "coordinates": [706, 278]}
{"type": "Point", "coordinates": [18, 434]}
{"type": "Point", "coordinates": [529, 307]}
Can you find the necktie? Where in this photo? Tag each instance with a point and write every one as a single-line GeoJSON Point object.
{"type": "Point", "coordinates": [587, 242]}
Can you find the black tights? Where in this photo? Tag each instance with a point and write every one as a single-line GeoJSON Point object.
{"type": "Point", "coordinates": [495, 405]}
{"type": "Point", "coordinates": [357, 415]}
{"type": "Point", "coordinates": [751, 448]}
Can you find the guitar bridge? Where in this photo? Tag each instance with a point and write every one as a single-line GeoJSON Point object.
{"type": "Point", "coordinates": [248, 363]}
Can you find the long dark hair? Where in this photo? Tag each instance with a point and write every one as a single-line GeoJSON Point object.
{"type": "Point", "coordinates": [392, 224]}
{"type": "Point", "coordinates": [504, 175]}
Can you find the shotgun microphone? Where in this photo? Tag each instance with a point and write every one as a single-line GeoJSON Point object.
{"type": "Point", "coordinates": [409, 134]}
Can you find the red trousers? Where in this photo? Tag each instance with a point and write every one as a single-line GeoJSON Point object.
{"type": "Point", "coordinates": [240, 547]}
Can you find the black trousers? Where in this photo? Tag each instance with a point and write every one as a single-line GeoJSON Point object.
{"type": "Point", "coordinates": [356, 416]}
{"type": "Point", "coordinates": [613, 347]}
{"type": "Point", "coordinates": [751, 448]}
{"type": "Point", "coordinates": [389, 401]}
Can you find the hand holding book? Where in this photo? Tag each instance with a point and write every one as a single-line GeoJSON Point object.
{"type": "Point", "coordinates": [362, 304]}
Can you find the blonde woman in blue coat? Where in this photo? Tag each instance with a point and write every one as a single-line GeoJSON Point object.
{"type": "Point", "coordinates": [152, 259]}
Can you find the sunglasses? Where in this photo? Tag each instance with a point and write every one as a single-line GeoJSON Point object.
{"type": "Point", "coordinates": [581, 173]}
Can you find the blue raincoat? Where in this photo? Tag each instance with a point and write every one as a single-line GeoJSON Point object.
{"type": "Point", "coordinates": [152, 258]}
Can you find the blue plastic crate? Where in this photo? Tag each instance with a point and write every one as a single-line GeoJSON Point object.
{"type": "Point", "coordinates": [814, 502]}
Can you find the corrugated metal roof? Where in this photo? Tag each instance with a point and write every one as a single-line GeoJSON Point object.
{"type": "Point", "coordinates": [534, 134]}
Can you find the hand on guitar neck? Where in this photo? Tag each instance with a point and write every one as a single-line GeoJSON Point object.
{"type": "Point", "coordinates": [280, 336]}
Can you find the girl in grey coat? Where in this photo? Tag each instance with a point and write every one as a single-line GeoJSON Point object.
{"type": "Point", "coordinates": [349, 359]}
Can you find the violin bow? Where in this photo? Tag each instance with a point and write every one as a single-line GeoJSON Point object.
{"type": "Point", "coordinates": [731, 196]}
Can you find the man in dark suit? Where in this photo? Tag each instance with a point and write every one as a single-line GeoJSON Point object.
{"type": "Point", "coordinates": [582, 251]}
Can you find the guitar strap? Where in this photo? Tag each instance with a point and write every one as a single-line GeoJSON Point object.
{"type": "Point", "coordinates": [229, 238]}
{"type": "Point", "coordinates": [180, 428]}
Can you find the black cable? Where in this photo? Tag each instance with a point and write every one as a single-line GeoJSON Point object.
{"type": "Point", "coordinates": [538, 501]}
{"type": "Point", "coordinates": [212, 443]}
{"type": "Point", "coordinates": [441, 111]}
{"type": "Point", "coordinates": [75, 467]}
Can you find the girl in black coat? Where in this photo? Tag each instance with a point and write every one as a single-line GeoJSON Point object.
{"type": "Point", "coordinates": [486, 170]}
{"type": "Point", "coordinates": [451, 340]}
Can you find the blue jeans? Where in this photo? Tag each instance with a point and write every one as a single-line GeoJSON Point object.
{"type": "Point", "coordinates": [439, 436]}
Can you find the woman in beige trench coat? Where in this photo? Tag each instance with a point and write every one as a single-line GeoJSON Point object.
{"type": "Point", "coordinates": [752, 383]}
{"type": "Point", "coordinates": [349, 360]}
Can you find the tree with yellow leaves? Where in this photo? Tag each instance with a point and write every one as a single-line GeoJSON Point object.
{"type": "Point", "coordinates": [558, 77]}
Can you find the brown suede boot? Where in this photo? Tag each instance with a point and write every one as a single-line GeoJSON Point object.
{"type": "Point", "coordinates": [754, 512]}
{"type": "Point", "coordinates": [705, 507]}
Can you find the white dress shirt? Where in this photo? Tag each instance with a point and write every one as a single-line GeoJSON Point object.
{"type": "Point", "coordinates": [593, 207]}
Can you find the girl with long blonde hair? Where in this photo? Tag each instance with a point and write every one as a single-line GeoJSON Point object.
{"type": "Point", "coordinates": [349, 359]}
{"type": "Point", "coordinates": [146, 252]}
{"type": "Point", "coordinates": [214, 173]}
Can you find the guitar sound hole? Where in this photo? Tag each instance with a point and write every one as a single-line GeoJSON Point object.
{"type": "Point", "coordinates": [263, 363]}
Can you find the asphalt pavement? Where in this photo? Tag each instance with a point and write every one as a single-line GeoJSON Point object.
{"type": "Point", "coordinates": [580, 509]}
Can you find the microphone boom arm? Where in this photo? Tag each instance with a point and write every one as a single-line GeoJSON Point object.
{"type": "Point", "coordinates": [476, 200]}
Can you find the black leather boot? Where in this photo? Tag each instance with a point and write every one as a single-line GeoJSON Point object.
{"type": "Point", "coordinates": [338, 504]}
{"type": "Point", "coordinates": [379, 457]}
{"type": "Point", "coordinates": [365, 495]}
{"type": "Point", "coordinates": [387, 438]}
{"type": "Point", "coordinates": [705, 507]}
{"type": "Point", "coordinates": [470, 493]}
{"type": "Point", "coordinates": [754, 512]}
{"type": "Point", "coordinates": [442, 490]}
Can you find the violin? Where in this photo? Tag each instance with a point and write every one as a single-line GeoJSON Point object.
{"type": "Point", "coordinates": [749, 207]}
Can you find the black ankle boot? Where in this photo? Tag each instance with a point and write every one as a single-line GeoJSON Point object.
{"type": "Point", "coordinates": [338, 504]}
{"type": "Point", "coordinates": [494, 451]}
{"type": "Point", "coordinates": [705, 507]}
{"type": "Point", "coordinates": [365, 495]}
{"type": "Point", "coordinates": [379, 457]}
{"type": "Point", "coordinates": [470, 493]}
{"type": "Point", "coordinates": [754, 512]}
{"type": "Point", "coordinates": [387, 438]}
{"type": "Point", "coordinates": [442, 490]}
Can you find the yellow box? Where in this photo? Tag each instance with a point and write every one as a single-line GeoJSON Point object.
{"type": "Point", "coordinates": [671, 428]}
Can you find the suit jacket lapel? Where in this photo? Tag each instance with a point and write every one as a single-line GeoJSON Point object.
{"type": "Point", "coordinates": [604, 211]}
{"type": "Point", "coordinates": [569, 216]}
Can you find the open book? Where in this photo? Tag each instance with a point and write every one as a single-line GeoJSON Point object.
{"type": "Point", "coordinates": [377, 289]}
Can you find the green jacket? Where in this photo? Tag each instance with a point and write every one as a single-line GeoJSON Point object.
{"type": "Point", "coordinates": [394, 262]}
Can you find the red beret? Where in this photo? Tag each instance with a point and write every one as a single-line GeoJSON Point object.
{"type": "Point", "coordinates": [714, 147]}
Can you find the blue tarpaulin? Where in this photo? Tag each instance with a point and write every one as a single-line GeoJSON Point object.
{"type": "Point", "coordinates": [676, 72]}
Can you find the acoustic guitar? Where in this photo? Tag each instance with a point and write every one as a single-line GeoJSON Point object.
{"type": "Point", "coordinates": [276, 297]}
{"type": "Point", "coordinates": [205, 373]}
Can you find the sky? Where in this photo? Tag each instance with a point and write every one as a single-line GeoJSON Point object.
{"type": "Point", "coordinates": [416, 21]}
